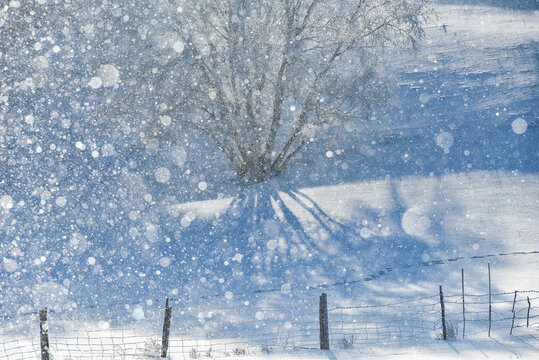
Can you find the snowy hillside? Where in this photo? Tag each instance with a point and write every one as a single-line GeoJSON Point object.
{"type": "Point", "coordinates": [446, 178]}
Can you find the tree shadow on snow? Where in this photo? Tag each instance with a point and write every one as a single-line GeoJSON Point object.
{"type": "Point", "coordinates": [270, 236]}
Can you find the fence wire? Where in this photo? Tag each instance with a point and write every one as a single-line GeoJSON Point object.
{"type": "Point", "coordinates": [420, 319]}
{"type": "Point", "coordinates": [218, 332]}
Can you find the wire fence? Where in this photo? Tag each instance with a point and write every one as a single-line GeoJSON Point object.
{"type": "Point", "coordinates": [421, 318]}
{"type": "Point", "coordinates": [216, 332]}
{"type": "Point", "coordinates": [196, 332]}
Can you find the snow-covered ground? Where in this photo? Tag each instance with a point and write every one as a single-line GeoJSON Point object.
{"type": "Point", "coordinates": [446, 179]}
{"type": "Point", "coordinates": [521, 347]}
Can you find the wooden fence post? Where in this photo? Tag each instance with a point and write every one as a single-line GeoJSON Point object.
{"type": "Point", "coordinates": [489, 302]}
{"type": "Point", "coordinates": [444, 330]}
{"type": "Point", "coordinates": [166, 329]}
{"type": "Point", "coordinates": [324, 323]}
{"type": "Point", "coordinates": [463, 308]}
{"type": "Point", "coordinates": [513, 311]}
{"type": "Point", "coordinates": [528, 316]}
{"type": "Point", "coordinates": [44, 334]}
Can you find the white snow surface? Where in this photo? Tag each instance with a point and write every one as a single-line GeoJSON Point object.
{"type": "Point", "coordinates": [467, 215]}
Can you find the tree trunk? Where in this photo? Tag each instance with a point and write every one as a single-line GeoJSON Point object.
{"type": "Point", "coordinates": [252, 170]}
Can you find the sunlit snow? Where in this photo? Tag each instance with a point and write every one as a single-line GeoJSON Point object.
{"type": "Point", "coordinates": [95, 82]}
{"type": "Point", "coordinates": [109, 75]}
{"type": "Point", "coordinates": [10, 265]}
{"type": "Point", "coordinates": [519, 126]}
{"type": "Point", "coordinates": [6, 202]}
{"type": "Point", "coordinates": [61, 201]}
{"type": "Point", "coordinates": [445, 141]}
{"type": "Point", "coordinates": [162, 175]}
{"type": "Point", "coordinates": [140, 159]}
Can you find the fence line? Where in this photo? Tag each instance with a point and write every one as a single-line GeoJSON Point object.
{"type": "Point", "coordinates": [298, 327]}
{"type": "Point", "coordinates": [156, 310]}
{"type": "Point", "coordinates": [192, 332]}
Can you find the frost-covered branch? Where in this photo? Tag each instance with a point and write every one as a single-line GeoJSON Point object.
{"type": "Point", "coordinates": [257, 77]}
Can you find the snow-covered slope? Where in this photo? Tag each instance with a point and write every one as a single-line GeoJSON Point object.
{"type": "Point", "coordinates": [445, 176]}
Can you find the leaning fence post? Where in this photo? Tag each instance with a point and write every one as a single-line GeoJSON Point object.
{"type": "Point", "coordinates": [489, 302]}
{"type": "Point", "coordinates": [44, 334]}
{"type": "Point", "coordinates": [528, 316]}
{"type": "Point", "coordinates": [513, 310]}
{"type": "Point", "coordinates": [166, 330]}
{"type": "Point", "coordinates": [463, 308]}
{"type": "Point", "coordinates": [444, 331]}
{"type": "Point", "coordinates": [324, 324]}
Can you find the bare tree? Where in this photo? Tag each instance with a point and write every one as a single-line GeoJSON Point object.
{"type": "Point", "coordinates": [261, 78]}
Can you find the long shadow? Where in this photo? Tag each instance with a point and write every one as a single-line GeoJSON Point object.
{"type": "Point", "coordinates": [264, 210]}
{"type": "Point", "coordinates": [270, 236]}
{"type": "Point", "coordinates": [280, 233]}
